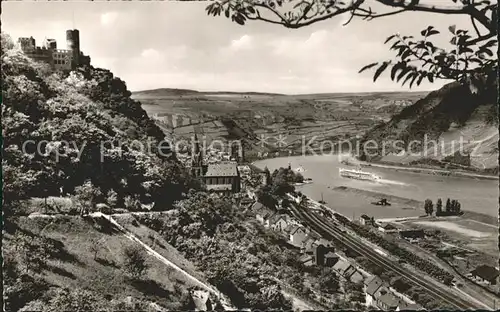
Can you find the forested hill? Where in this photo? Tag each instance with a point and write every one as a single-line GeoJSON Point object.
{"type": "Point", "coordinates": [446, 115]}
{"type": "Point", "coordinates": [89, 134]}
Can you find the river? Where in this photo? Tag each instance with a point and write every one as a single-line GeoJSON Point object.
{"type": "Point", "coordinates": [474, 194]}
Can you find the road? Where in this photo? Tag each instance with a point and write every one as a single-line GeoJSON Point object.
{"type": "Point", "coordinates": [447, 295]}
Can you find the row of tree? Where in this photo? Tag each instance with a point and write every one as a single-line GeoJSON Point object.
{"type": "Point", "coordinates": [452, 207]}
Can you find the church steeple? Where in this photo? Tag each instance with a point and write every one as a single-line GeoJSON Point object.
{"type": "Point", "coordinates": [196, 158]}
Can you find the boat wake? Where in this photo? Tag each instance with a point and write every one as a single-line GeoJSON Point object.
{"type": "Point", "coordinates": [384, 181]}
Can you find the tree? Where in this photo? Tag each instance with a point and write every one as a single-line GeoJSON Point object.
{"type": "Point", "coordinates": [268, 175]}
{"type": "Point", "coordinates": [112, 198]}
{"type": "Point", "coordinates": [439, 206]}
{"type": "Point", "coordinates": [431, 208]}
{"type": "Point", "coordinates": [453, 206]}
{"type": "Point", "coordinates": [428, 207]}
{"type": "Point", "coordinates": [328, 281]}
{"type": "Point", "coordinates": [75, 300]}
{"type": "Point", "coordinates": [134, 261]}
{"type": "Point", "coordinates": [88, 195]}
{"type": "Point", "coordinates": [469, 60]}
{"type": "Point", "coordinates": [95, 246]}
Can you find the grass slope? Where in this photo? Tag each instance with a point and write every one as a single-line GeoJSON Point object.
{"type": "Point", "coordinates": [72, 264]}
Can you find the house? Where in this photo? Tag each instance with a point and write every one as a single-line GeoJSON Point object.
{"type": "Point", "coordinates": [310, 242]}
{"type": "Point", "coordinates": [365, 220]}
{"type": "Point", "coordinates": [342, 267]}
{"type": "Point", "coordinates": [324, 255]}
{"type": "Point", "coordinates": [307, 260]}
{"type": "Point", "coordinates": [263, 176]}
{"type": "Point", "coordinates": [246, 202]}
{"type": "Point", "coordinates": [279, 221]}
{"type": "Point", "coordinates": [409, 306]}
{"type": "Point", "coordinates": [387, 301]}
{"type": "Point", "coordinates": [298, 235]}
{"type": "Point", "coordinates": [322, 241]}
{"type": "Point", "coordinates": [372, 285]}
{"type": "Point", "coordinates": [222, 178]}
{"type": "Point", "coordinates": [349, 272]}
{"type": "Point", "coordinates": [356, 277]}
{"type": "Point", "coordinates": [486, 274]}
{"type": "Point", "coordinates": [262, 214]}
{"type": "Point", "coordinates": [412, 235]}
{"type": "Point", "coordinates": [330, 258]}
{"type": "Point", "coordinates": [387, 228]}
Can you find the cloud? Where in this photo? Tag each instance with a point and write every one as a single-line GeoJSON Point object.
{"type": "Point", "coordinates": [150, 54]}
{"type": "Point", "coordinates": [108, 18]}
{"type": "Point", "coordinates": [244, 42]}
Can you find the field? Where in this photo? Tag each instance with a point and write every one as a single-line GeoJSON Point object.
{"type": "Point", "coordinates": [465, 233]}
{"type": "Point", "coordinates": [252, 117]}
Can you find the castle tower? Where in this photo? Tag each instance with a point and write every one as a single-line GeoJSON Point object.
{"type": "Point", "coordinates": [73, 43]}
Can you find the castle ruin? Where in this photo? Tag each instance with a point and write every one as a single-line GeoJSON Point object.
{"type": "Point", "coordinates": [58, 59]}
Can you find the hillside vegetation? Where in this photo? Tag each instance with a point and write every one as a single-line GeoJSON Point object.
{"type": "Point", "coordinates": [68, 263]}
{"type": "Point", "coordinates": [446, 116]}
{"type": "Point", "coordinates": [76, 130]}
{"type": "Point", "coordinates": [81, 137]}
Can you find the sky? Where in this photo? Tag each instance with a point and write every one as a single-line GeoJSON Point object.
{"type": "Point", "coordinates": [155, 44]}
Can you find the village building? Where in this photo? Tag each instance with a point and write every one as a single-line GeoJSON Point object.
{"type": "Point", "coordinates": [325, 255]}
{"type": "Point", "coordinates": [343, 268]}
{"type": "Point", "coordinates": [262, 213]}
{"type": "Point", "coordinates": [387, 228]}
{"type": "Point", "coordinates": [222, 178]}
{"type": "Point", "coordinates": [365, 220]}
{"type": "Point", "coordinates": [387, 301]}
{"type": "Point", "coordinates": [297, 235]}
{"type": "Point", "coordinates": [264, 178]}
{"type": "Point", "coordinates": [404, 306]}
{"type": "Point", "coordinates": [356, 277]}
{"type": "Point", "coordinates": [307, 260]}
{"type": "Point", "coordinates": [247, 202]}
{"type": "Point", "coordinates": [312, 240]}
{"type": "Point", "coordinates": [372, 285]}
{"type": "Point", "coordinates": [412, 235]}
{"type": "Point", "coordinates": [278, 221]}
{"type": "Point", "coordinates": [485, 274]}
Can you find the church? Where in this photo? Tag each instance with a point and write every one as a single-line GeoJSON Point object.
{"type": "Point", "coordinates": [222, 177]}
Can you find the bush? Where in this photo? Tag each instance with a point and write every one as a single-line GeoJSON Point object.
{"type": "Point", "coordinates": [134, 262]}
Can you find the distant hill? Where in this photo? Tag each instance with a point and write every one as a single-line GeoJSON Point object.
{"type": "Point", "coordinates": [445, 115]}
{"type": "Point", "coordinates": [164, 92]}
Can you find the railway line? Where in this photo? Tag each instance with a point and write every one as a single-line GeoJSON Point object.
{"type": "Point", "coordinates": [330, 230]}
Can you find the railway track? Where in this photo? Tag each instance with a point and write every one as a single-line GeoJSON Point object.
{"type": "Point", "coordinates": [331, 231]}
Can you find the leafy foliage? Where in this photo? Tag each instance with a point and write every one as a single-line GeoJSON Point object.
{"type": "Point", "coordinates": [135, 261]}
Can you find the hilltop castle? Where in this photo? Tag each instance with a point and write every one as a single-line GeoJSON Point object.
{"type": "Point", "coordinates": [58, 59]}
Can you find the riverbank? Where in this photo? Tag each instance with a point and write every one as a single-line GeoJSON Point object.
{"type": "Point", "coordinates": [418, 205]}
{"type": "Point", "coordinates": [417, 169]}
